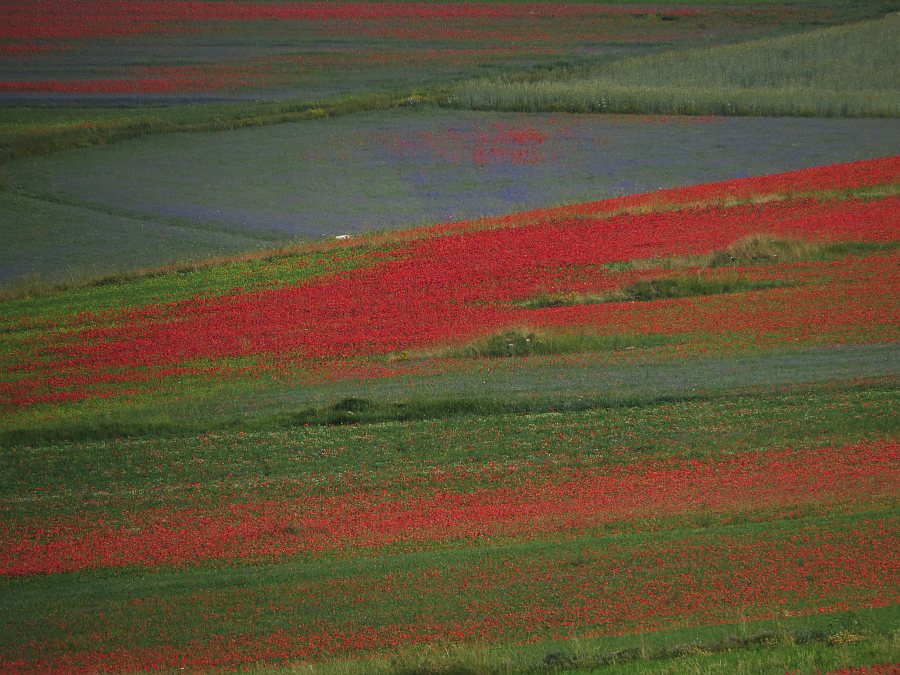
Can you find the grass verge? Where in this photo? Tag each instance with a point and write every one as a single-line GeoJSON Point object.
{"type": "Point", "coordinates": [809, 644]}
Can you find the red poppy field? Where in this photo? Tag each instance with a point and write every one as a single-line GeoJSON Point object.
{"type": "Point", "coordinates": [456, 284]}
{"type": "Point", "coordinates": [645, 432]}
{"type": "Point", "coordinates": [450, 337]}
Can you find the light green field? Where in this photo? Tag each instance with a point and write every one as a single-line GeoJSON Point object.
{"type": "Point", "coordinates": [846, 71]}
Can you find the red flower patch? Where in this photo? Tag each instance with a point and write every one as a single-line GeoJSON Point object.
{"type": "Point", "coordinates": [457, 287]}
{"type": "Point", "coordinates": [533, 506]}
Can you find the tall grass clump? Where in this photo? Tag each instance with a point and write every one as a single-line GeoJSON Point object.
{"type": "Point", "coordinates": [759, 249]}
{"type": "Point", "coordinates": [520, 342]}
{"type": "Point", "coordinates": [661, 288]}
{"type": "Point", "coordinates": [844, 71]}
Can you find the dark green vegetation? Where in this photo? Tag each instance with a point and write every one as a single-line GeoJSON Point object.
{"type": "Point", "coordinates": [817, 645]}
{"type": "Point", "coordinates": [847, 71]}
{"type": "Point", "coordinates": [692, 278]}
{"type": "Point", "coordinates": [490, 387]}
{"type": "Point", "coordinates": [816, 403]}
{"type": "Point", "coordinates": [26, 131]}
{"type": "Point", "coordinates": [761, 250]}
{"type": "Point", "coordinates": [523, 342]}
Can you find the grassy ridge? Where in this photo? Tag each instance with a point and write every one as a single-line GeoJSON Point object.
{"type": "Point", "coordinates": [514, 387]}
{"type": "Point", "coordinates": [662, 288]}
{"type": "Point", "coordinates": [826, 413]}
{"type": "Point", "coordinates": [842, 71]}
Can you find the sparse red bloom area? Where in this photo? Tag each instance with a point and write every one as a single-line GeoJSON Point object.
{"type": "Point", "coordinates": [69, 19]}
{"type": "Point", "coordinates": [695, 579]}
{"type": "Point", "coordinates": [460, 286]}
{"type": "Point", "coordinates": [497, 144]}
{"type": "Point", "coordinates": [446, 33]}
{"type": "Point", "coordinates": [529, 505]}
{"type": "Point", "coordinates": [156, 80]}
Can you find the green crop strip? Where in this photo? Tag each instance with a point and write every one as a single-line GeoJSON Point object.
{"type": "Point", "coordinates": [845, 71]}
{"type": "Point", "coordinates": [265, 270]}
{"type": "Point", "coordinates": [156, 470]}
